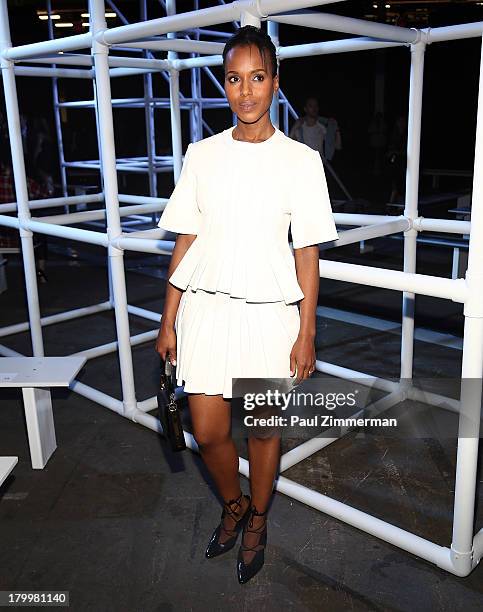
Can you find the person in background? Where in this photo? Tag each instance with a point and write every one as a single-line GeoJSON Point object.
{"type": "Point", "coordinates": [319, 133]}
{"type": "Point", "coordinates": [396, 157]}
{"type": "Point", "coordinates": [36, 191]}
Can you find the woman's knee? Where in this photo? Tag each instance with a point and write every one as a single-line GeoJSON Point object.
{"type": "Point", "coordinates": [207, 437]}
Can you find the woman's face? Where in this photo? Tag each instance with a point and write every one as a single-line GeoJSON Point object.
{"type": "Point", "coordinates": [249, 86]}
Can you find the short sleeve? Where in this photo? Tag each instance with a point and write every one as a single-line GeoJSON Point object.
{"type": "Point", "coordinates": [181, 213]}
{"type": "Point", "coordinates": [312, 220]}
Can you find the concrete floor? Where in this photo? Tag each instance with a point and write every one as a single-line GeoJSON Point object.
{"type": "Point", "coordinates": [123, 526]}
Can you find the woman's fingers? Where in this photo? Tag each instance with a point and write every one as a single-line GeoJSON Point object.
{"type": "Point", "coordinates": [172, 355]}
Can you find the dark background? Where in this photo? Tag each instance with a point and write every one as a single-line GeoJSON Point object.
{"type": "Point", "coordinates": [344, 84]}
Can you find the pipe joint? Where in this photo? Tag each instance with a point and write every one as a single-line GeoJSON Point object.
{"type": "Point", "coordinates": [417, 223]}
{"type": "Point", "coordinates": [474, 299]}
{"type": "Point", "coordinates": [411, 230]}
{"type": "Point", "coordinates": [24, 231]}
{"type": "Point", "coordinates": [113, 250]}
{"type": "Point", "coordinates": [130, 409]}
{"type": "Point", "coordinates": [462, 561]}
{"type": "Point", "coordinates": [99, 43]}
{"type": "Point", "coordinates": [405, 386]}
{"type": "Point", "coordinates": [419, 46]}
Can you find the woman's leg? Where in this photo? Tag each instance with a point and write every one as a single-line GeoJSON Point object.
{"type": "Point", "coordinates": [211, 420]}
{"type": "Point", "coordinates": [264, 457]}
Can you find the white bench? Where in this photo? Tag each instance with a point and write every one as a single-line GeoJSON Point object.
{"type": "Point", "coordinates": [6, 466]}
{"type": "Point", "coordinates": [35, 375]}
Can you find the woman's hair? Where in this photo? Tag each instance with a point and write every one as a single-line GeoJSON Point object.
{"type": "Point", "coordinates": [250, 35]}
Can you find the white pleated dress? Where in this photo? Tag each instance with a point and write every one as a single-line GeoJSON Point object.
{"type": "Point", "coordinates": [238, 316]}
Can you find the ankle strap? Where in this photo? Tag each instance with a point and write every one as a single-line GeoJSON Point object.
{"type": "Point", "coordinates": [253, 510]}
{"type": "Point", "coordinates": [233, 501]}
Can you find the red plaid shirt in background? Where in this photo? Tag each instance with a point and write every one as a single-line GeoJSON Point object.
{"type": "Point", "coordinates": [7, 188]}
{"type": "Point", "coordinates": [9, 237]}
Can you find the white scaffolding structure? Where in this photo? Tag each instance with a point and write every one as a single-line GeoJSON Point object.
{"type": "Point", "coordinates": [466, 548]}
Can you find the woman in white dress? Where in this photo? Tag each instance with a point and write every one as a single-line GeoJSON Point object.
{"type": "Point", "coordinates": [232, 301]}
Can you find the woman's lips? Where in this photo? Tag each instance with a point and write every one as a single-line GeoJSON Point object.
{"type": "Point", "coordinates": [247, 107]}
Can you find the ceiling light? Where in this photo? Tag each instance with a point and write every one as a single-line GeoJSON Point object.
{"type": "Point", "coordinates": [374, 6]}
{"type": "Point", "coordinates": [85, 24]}
{"type": "Point", "coordinates": [46, 17]}
{"type": "Point", "coordinates": [108, 15]}
{"type": "Point", "coordinates": [388, 6]}
{"type": "Point", "coordinates": [64, 24]}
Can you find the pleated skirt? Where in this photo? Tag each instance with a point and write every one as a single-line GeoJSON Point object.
{"type": "Point", "coordinates": [219, 337]}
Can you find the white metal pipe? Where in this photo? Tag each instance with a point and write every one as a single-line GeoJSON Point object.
{"type": "Point", "coordinates": [180, 45]}
{"type": "Point", "coordinates": [20, 178]}
{"type": "Point", "coordinates": [157, 247]}
{"type": "Point", "coordinates": [57, 114]}
{"type": "Point", "coordinates": [449, 226]}
{"type": "Point", "coordinates": [67, 315]}
{"type": "Point", "coordinates": [453, 32]}
{"type": "Point", "coordinates": [82, 59]}
{"type": "Point", "coordinates": [50, 229]}
{"type": "Point", "coordinates": [145, 314]}
{"type": "Point", "coordinates": [359, 219]}
{"type": "Point", "coordinates": [65, 73]}
{"type": "Point", "coordinates": [135, 199]}
{"type": "Point", "coordinates": [345, 45]}
{"type": "Point", "coordinates": [272, 31]}
{"type": "Point", "coordinates": [349, 25]}
{"type": "Point", "coordinates": [97, 396]}
{"type": "Point", "coordinates": [370, 524]}
{"type": "Point", "coordinates": [150, 130]}
{"type": "Point", "coordinates": [202, 17]}
{"type": "Point", "coordinates": [308, 448]}
{"type": "Point", "coordinates": [112, 347]}
{"type": "Point", "coordinates": [108, 157]}
{"type": "Point", "coordinates": [423, 284]}
{"type": "Point", "coordinates": [362, 377]}
{"type": "Point", "coordinates": [5, 351]}
{"type": "Point", "coordinates": [367, 232]}
{"type": "Point", "coordinates": [123, 72]}
{"type": "Point", "coordinates": [432, 399]}
{"type": "Point", "coordinates": [69, 43]}
{"type": "Point", "coordinates": [472, 365]}
{"type": "Point", "coordinates": [175, 116]}
{"type": "Point", "coordinates": [90, 215]}
{"type": "Point", "coordinates": [51, 202]}
{"type": "Point", "coordinates": [411, 202]}
{"type": "Point", "coordinates": [478, 547]}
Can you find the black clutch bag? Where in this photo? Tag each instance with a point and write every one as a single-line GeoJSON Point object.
{"type": "Point", "coordinates": [169, 411]}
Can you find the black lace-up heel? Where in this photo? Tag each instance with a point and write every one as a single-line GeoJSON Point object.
{"type": "Point", "coordinates": [215, 547]}
{"type": "Point", "coordinates": [248, 570]}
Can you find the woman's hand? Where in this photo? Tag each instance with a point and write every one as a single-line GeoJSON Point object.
{"type": "Point", "coordinates": [302, 358]}
{"type": "Point", "coordinates": [166, 343]}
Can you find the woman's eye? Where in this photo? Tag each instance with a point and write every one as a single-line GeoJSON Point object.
{"type": "Point", "coordinates": [260, 76]}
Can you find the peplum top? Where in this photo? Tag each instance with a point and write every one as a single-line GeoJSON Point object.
{"type": "Point", "coordinates": [240, 199]}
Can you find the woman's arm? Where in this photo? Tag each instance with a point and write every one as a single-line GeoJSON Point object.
{"type": "Point", "coordinates": [166, 341]}
{"type": "Point", "coordinates": [303, 352]}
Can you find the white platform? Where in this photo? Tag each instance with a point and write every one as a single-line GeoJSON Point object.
{"type": "Point", "coordinates": [6, 466]}
{"type": "Point", "coordinates": [35, 375]}
{"type": "Point", "coordinates": [39, 371]}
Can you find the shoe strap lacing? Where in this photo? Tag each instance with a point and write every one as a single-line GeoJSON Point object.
{"type": "Point", "coordinates": [259, 530]}
{"type": "Point", "coordinates": [232, 513]}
